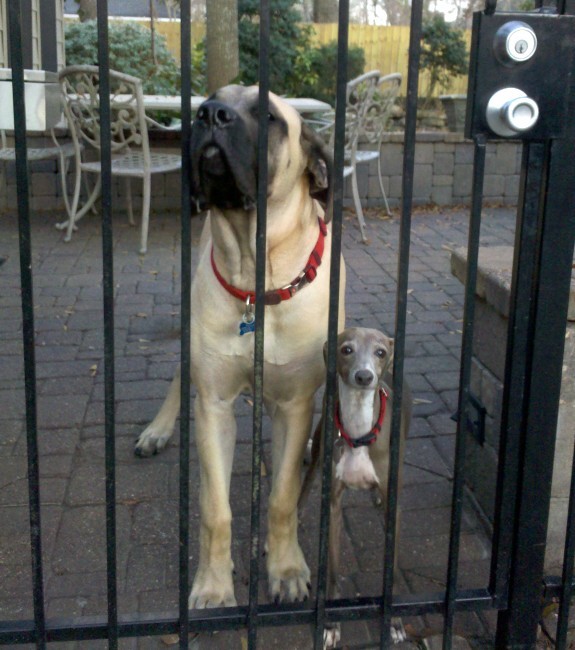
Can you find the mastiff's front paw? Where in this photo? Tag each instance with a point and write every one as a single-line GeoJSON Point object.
{"type": "Point", "coordinates": [212, 589]}
{"type": "Point", "coordinates": [151, 441]}
{"type": "Point", "coordinates": [288, 575]}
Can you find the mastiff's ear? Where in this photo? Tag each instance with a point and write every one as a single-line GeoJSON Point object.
{"type": "Point", "coordinates": [319, 168]}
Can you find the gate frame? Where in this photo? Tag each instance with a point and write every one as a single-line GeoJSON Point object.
{"type": "Point", "coordinates": [543, 256]}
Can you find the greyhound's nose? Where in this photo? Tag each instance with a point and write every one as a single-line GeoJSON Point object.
{"type": "Point", "coordinates": [363, 377]}
{"type": "Point", "coordinates": [214, 113]}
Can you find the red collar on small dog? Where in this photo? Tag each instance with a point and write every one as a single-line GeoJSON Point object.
{"type": "Point", "coordinates": [369, 437]}
{"type": "Point", "coordinates": [276, 296]}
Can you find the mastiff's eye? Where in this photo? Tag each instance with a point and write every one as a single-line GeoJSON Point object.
{"type": "Point", "coordinates": [346, 350]}
{"type": "Point", "coordinates": [380, 352]}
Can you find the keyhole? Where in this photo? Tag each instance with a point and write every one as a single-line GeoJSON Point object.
{"type": "Point", "coordinates": [520, 47]}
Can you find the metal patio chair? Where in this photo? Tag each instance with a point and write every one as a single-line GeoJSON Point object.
{"type": "Point", "coordinates": [131, 154]}
{"type": "Point", "coordinates": [61, 152]}
{"type": "Point", "coordinates": [369, 102]}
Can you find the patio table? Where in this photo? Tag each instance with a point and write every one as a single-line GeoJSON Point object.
{"type": "Point", "coordinates": [304, 105]}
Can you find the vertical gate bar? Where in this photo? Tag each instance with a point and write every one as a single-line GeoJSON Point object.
{"type": "Point", "coordinates": [517, 627]}
{"type": "Point", "coordinates": [567, 576]}
{"type": "Point", "coordinates": [185, 301]}
{"type": "Point", "coordinates": [26, 279]}
{"type": "Point", "coordinates": [464, 379]}
{"type": "Point", "coordinates": [569, 554]}
{"type": "Point", "coordinates": [515, 370]}
{"type": "Point", "coordinates": [401, 315]}
{"type": "Point", "coordinates": [108, 306]}
{"type": "Point", "coordinates": [26, 32]}
{"type": "Point", "coordinates": [262, 189]}
{"type": "Point", "coordinates": [335, 270]}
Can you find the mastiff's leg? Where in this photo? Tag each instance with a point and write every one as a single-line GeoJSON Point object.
{"type": "Point", "coordinates": [156, 435]}
{"type": "Point", "coordinates": [288, 572]}
{"type": "Point", "coordinates": [215, 439]}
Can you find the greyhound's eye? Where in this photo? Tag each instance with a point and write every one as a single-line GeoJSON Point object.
{"type": "Point", "coordinates": [271, 117]}
{"type": "Point", "coordinates": [346, 350]}
{"type": "Point", "coordinates": [380, 352]}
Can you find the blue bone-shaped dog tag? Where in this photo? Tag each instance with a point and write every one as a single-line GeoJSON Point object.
{"type": "Point", "coordinates": [245, 328]}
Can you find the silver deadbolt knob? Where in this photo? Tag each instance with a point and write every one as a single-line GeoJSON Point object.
{"type": "Point", "coordinates": [515, 42]}
{"type": "Point", "coordinates": [510, 112]}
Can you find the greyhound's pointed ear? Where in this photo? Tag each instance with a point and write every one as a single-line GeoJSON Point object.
{"type": "Point", "coordinates": [319, 166]}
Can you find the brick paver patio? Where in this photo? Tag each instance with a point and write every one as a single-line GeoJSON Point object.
{"type": "Point", "coordinates": [69, 354]}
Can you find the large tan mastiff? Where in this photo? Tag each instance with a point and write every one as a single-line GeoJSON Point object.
{"type": "Point", "coordinates": [224, 173]}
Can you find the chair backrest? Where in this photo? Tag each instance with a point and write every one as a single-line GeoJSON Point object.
{"type": "Point", "coordinates": [359, 100]}
{"type": "Point", "coordinates": [380, 106]}
{"type": "Point", "coordinates": [80, 89]}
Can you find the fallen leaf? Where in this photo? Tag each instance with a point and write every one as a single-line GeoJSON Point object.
{"type": "Point", "coordinates": [141, 314]}
{"type": "Point", "coordinates": [170, 639]}
{"type": "Point", "coordinates": [94, 370]}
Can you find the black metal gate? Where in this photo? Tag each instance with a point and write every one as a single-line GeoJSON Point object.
{"type": "Point", "coordinates": [541, 275]}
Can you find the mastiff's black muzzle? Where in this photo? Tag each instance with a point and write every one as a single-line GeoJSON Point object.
{"type": "Point", "coordinates": [223, 157]}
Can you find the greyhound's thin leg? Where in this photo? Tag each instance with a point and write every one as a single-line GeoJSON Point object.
{"type": "Point", "coordinates": [332, 631]}
{"type": "Point", "coordinates": [288, 572]}
{"type": "Point", "coordinates": [398, 633]}
{"type": "Point", "coordinates": [156, 435]}
{"type": "Point", "coordinates": [215, 438]}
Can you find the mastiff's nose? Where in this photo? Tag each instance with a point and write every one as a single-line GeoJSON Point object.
{"type": "Point", "coordinates": [215, 114]}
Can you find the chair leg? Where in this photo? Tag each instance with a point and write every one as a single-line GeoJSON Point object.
{"type": "Point", "coordinates": [73, 206]}
{"type": "Point", "coordinates": [381, 186]}
{"type": "Point", "coordinates": [357, 202]}
{"type": "Point", "coordinates": [76, 216]}
{"type": "Point", "coordinates": [145, 214]}
{"type": "Point", "coordinates": [128, 188]}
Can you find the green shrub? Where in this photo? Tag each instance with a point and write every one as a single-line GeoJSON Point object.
{"type": "Point", "coordinates": [443, 52]}
{"type": "Point", "coordinates": [130, 51]}
{"type": "Point", "coordinates": [287, 39]}
{"type": "Point", "coordinates": [323, 70]}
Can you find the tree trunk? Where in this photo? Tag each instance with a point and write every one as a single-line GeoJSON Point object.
{"type": "Point", "coordinates": [87, 10]}
{"type": "Point", "coordinates": [325, 11]}
{"type": "Point", "coordinates": [221, 43]}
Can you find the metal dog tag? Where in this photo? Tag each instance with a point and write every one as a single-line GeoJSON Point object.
{"type": "Point", "coordinates": [246, 328]}
{"type": "Point", "coordinates": [248, 323]}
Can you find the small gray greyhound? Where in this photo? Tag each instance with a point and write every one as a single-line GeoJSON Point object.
{"type": "Point", "coordinates": [361, 454]}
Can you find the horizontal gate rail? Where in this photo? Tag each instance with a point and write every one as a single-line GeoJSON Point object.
{"type": "Point", "coordinates": [231, 618]}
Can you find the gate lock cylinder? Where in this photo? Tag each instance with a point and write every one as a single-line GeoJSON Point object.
{"type": "Point", "coordinates": [515, 42]}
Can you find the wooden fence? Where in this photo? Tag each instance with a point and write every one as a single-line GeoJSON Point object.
{"type": "Point", "coordinates": [385, 47]}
